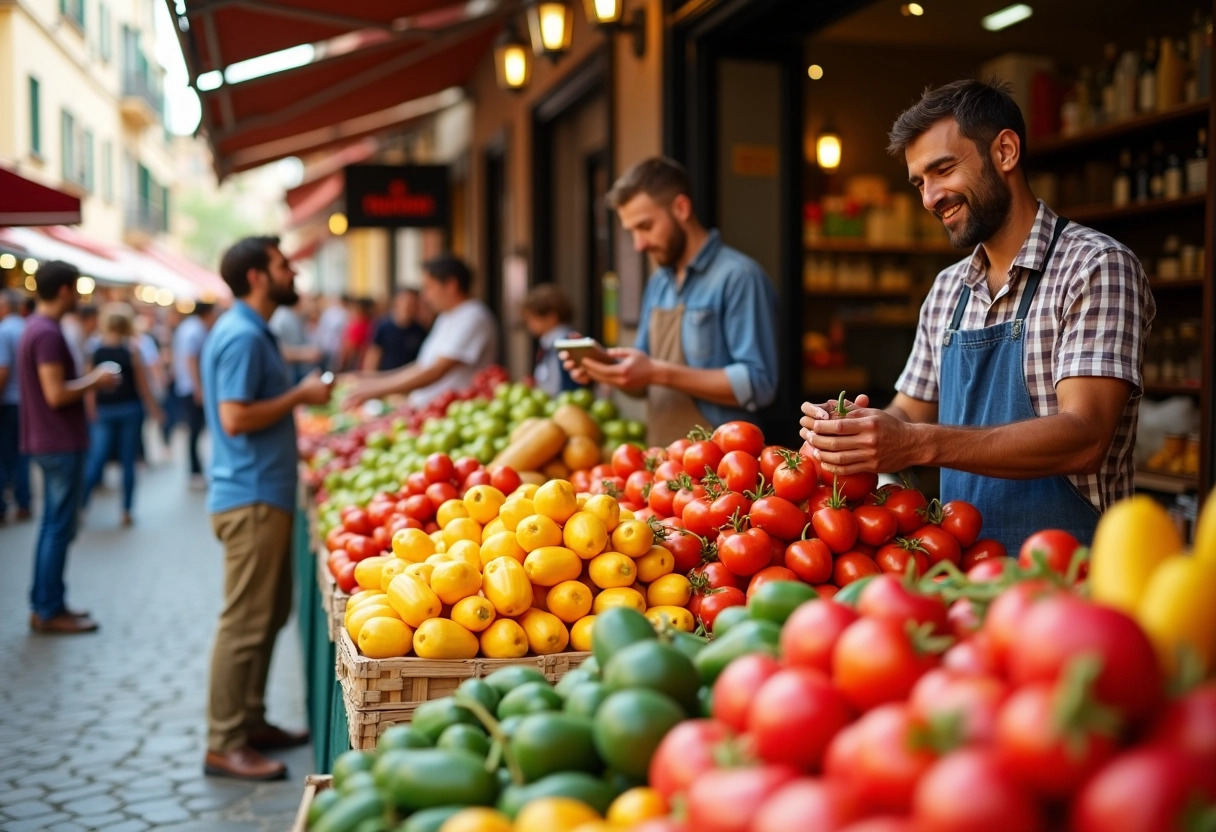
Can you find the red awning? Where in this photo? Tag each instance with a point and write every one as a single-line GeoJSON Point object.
{"type": "Point", "coordinates": [211, 286]}
{"type": "Point", "coordinates": [24, 202]}
{"type": "Point", "coordinates": [313, 198]}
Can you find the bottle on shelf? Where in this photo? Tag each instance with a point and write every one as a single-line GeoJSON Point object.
{"type": "Point", "coordinates": [1140, 186]}
{"type": "Point", "coordinates": [1121, 194]}
{"type": "Point", "coordinates": [1105, 82]}
{"type": "Point", "coordinates": [1146, 79]}
{"type": "Point", "coordinates": [1194, 45]}
{"type": "Point", "coordinates": [1173, 176]}
{"type": "Point", "coordinates": [1156, 176]}
{"type": "Point", "coordinates": [1197, 165]}
{"type": "Point", "coordinates": [1126, 72]}
{"type": "Point", "coordinates": [1169, 75]}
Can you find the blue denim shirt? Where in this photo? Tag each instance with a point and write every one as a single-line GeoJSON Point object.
{"type": "Point", "coordinates": [241, 362]}
{"type": "Point", "coordinates": [730, 321]}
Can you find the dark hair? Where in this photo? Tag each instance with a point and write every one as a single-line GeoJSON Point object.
{"type": "Point", "coordinates": [660, 178]}
{"type": "Point", "coordinates": [367, 306]}
{"type": "Point", "coordinates": [85, 311]}
{"type": "Point", "coordinates": [243, 255]}
{"type": "Point", "coordinates": [547, 299]}
{"type": "Point", "coordinates": [982, 109]}
{"type": "Point", "coordinates": [52, 276]}
{"type": "Point", "coordinates": [447, 267]}
{"type": "Point", "coordinates": [202, 309]}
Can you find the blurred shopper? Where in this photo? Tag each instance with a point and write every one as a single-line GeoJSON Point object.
{"type": "Point", "coordinates": [14, 465]}
{"type": "Point", "coordinates": [706, 349]}
{"type": "Point", "coordinates": [187, 347]}
{"type": "Point", "coordinates": [331, 327]}
{"type": "Point", "coordinates": [302, 357]}
{"type": "Point", "coordinates": [54, 434]}
{"type": "Point", "coordinates": [249, 404]}
{"type": "Point", "coordinates": [463, 340]}
{"type": "Point", "coordinates": [358, 333]}
{"type": "Point", "coordinates": [398, 336]}
{"type": "Point", "coordinates": [118, 417]}
{"type": "Point", "coordinates": [547, 313]}
{"type": "Point", "coordinates": [79, 326]}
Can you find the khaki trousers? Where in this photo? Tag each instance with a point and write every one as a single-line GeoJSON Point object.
{"type": "Point", "coordinates": [257, 602]}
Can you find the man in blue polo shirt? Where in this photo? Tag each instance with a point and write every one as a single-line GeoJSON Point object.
{"type": "Point", "coordinates": [248, 398]}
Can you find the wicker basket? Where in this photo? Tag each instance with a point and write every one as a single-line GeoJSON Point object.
{"type": "Point", "coordinates": [333, 600]}
{"type": "Point", "coordinates": [402, 684]}
{"type": "Point", "coordinates": [313, 783]}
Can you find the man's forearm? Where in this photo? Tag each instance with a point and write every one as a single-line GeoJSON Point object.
{"type": "Point", "coordinates": [1060, 444]}
{"type": "Point", "coordinates": [237, 418]}
{"type": "Point", "coordinates": [404, 381]}
{"type": "Point", "coordinates": [711, 385]}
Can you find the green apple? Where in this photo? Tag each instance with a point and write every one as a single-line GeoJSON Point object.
{"type": "Point", "coordinates": [583, 397]}
{"type": "Point", "coordinates": [635, 430]}
{"type": "Point", "coordinates": [603, 410]}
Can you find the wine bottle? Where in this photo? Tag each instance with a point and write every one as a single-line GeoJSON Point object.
{"type": "Point", "coordinates": [1156, 176]}
{"type": "Point", "coordinates": [1121, 192]}
{"type": "Point", "coordinates": [1141, 182]}
{"type": "Point", "coordinates": [1146, 91]}
{"type": "Point", "coordinates": [1197, 165]}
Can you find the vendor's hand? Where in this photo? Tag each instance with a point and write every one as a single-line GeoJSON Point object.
{"type": "Point", "coordinates": [105, 379]}
{"type": "Point", "coordinates": [574, 368]}
{"type": "Point", "coordinates": [313, 390]}
{"type": "Point", "coordinates": [632, 370]}
{"type": "Point", "coordinates": [864, 440]}
{"type": "Point", "coordinates": [812, 413]}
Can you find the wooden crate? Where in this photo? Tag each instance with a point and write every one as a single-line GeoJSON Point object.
{"type": "Point", "coordinates": [333, 600]}
{"type": "Point", "coordinates": [365, 726]}
{"type": "Point", "coordinates": [402, 684]}
{"type": "Point", "coordinates": [313, 783]}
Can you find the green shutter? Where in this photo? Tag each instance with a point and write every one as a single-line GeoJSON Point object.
{"type": "Point", "coordinates": [107, 171]}
{"type": "Point", "coordinates": [88, 160]}
{"type": "Point", "coordinates": [67, 152]}
{"type": "Point", "coordinates": [35, 117]}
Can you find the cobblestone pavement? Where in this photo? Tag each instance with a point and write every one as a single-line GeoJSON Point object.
{"type": "Point", "coordinates": [106, 730]}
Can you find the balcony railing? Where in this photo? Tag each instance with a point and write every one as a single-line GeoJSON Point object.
{"type": "Point", "coordinates": [141, 215]}
{"type": "Point", "coordinates": [146, 87]}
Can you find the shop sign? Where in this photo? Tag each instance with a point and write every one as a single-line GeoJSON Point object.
{"type": "Point", "coordinates": [397, 196]}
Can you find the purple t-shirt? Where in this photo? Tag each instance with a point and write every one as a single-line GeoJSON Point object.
{"type": "Point", "coordinates": [46, 429]}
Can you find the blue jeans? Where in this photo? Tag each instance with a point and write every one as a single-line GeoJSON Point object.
{"type": "Point", "coordinates": [195, 420]}
{"type": "Point", "coordinates": [63, 480]}
{"type": "Point", "coordinates": [14, 465]}
{"type": "Point", "coordinates": [117, 430]}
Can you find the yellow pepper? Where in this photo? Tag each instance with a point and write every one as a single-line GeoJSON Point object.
{"type": "Point", "coordinates": [1132, 538]}
{"type": "Point", "coordinates": [1178, 610]}
{"type": "Point", "coordinates": [1205, 531]}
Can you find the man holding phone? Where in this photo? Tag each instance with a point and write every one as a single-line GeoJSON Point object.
{"type": "Point", "coordinates": [706, 349]}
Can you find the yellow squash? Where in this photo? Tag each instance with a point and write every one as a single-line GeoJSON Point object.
{"type": "Point", "coordinates": [1178, 610]}
{"type": "Point", "coordinates": [546, 632]}
{"type": "Point", "coordinates": [440, 638]}
{"type": "Point", "coordinates": [550, 565]}
{"type": "Point", "coordinates": [1133, 536]}
{"type": "Point", "coordinates": [677, 617]}
{"type": "Point", "coordinates": [473, 613]}
{"type": "Point", "coordinates": [1205, 530]}
{"type": "Point", "coordinates": [506, 586]}
{"type": "Point", "coordinates": [504, 639]}
{"type": "Point", "coordinates": [413, 600]}
{"type": "Point", "coordinates": [454, 581]}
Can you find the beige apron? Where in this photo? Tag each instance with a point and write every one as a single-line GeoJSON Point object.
{"type": "Point", "coordinates": [670, 413]}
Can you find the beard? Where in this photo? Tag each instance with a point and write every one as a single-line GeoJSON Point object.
{"type": "Point", "coordinates": [987, 209]}
{"type": "Point", "coordinates": [284, 295]}
{"type": "Point", "coordinates": [673, 250]}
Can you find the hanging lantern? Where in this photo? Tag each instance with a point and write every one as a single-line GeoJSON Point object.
{"type": "Point", "coordinates": [512, 63]}
{"type": "Point", "coordinates": [550, 25]}
{"type": "Point", "coordinates": [604, 12]}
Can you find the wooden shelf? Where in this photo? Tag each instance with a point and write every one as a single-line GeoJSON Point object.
{"type": "Point", "coordinates": [1166, 483]}
{"type": "Point", "coordinates": [1172, 389]}
{"type": "Point", "coordinates": [848, 245]}
{"type": "Point", "coordinates": [862, 294]}
{"type": "Point", "coordinates": [1062, 144]}
{"type": "Point", "coordinates": [1098, 213]}
{"type": "Point", "coordinates": [1158, 284]}
{"type": "Point", "coordinates": [834, 379]}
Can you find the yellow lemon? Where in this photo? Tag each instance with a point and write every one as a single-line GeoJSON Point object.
{"type": "Point", "coordinates": [365, 613]}
{"type": "Point", "coordinates": [483, 502]}
{"type": "Point", "coordinates": [492, 528]}
{"type": "Point", "coordinates": [454, 581]}
{"type": "Point", "coordinates": [556, 500]}
{"type": "Point", "coordinates": [525, 490]}
{"type": "Point", "coordinates": [421, 571]}
{"type": "Point", "coordinates": [626, 514]}
{"type": "Point", "coordinates": [655, 564]}
{"type": "Point", "coordinates": [514, 510]}
{"type": "Point", "coordinates": [554, 814]}
{"type": "Point", "coordinates": [385, 638]}
{"type": "Point", "coordinates": [536, 531]}
{"type": "Point", "coordinates": [462, 528]}
{"type": "Point", "coordinates": [580, 633]}
{"type": "Point", "coordinates": [467, 551]}
{"type": "Point", "coordinates": [361, 596]}
{"type": "Point", "coordinates": [669, 590]}
{"type": "Point", "coordinates": [502, 545]}
{"type": "Point", "coordinates": [677, 617]}
{"type": "Point", "coordinates": [477, 820]}
{"type": "Point", "coordinates": [606, 508]}
{"type": "Point", "coordinates": [585, 534]}
{"type": "Point", "coordinates": [474, 613]}
{"type": "Point", "coordinates": [612, 569]}
{"type": "Point", "coordinates": [450, 510]}
{"type": "Point", "coordinates": [636, 805]}
{"type": "Point", "coordinates": [633, 538]}
{"type": "Point", "coordinates": [413, 545]}
{"type": "Point", "coordinates": [392, 568]}
{"type": "Point", "coordinates": [440, 638]}
{"type": "Point", "coordinates": [569, 600]}
{"type": "Point", "coordinates": [504, 639]}
{"type": "Point", "coordinates": [440, 542]}
{"type": "Point", "coordinates": [367, 572]}
{"type": "Point", "coordinates": [619, 597]}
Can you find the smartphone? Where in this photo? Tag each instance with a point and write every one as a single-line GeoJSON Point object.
{"type": "Point", "coordinates": [580, 348]}
{"type": "Point", "coordinates": [111, 367]}
{"type": "Point", "coordinates": [327, 377]}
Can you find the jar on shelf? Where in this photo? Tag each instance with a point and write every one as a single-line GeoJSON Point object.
{"type": "Point", "coordinates": [1169, 265]}
{"type": "Point", "coordinates": [1169, 356]}
{"type": "Point", "coordinates": [1190, 360]}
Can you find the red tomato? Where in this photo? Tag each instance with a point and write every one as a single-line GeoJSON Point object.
{"type": "Point", "coordinates": [598, 472]}
{"type": "Point", "coordinates": [1143, 790]}
{"type": "Point", "coordinates": [724, 509]}
{"type": "Point", "coordinates": [769, 573]}
{"type": "Point", "coordinates": [379, 509]}
{"type": "Point", "coordinates": [1062, 627]}
{"type": "Point", "coordinates": [964, 617]}
{"type": "Point", "coordinates": [875, 661]}
{"type": "Point", "coordinates": [986, 569]}
{"type": "Point", "coordinates": [780, 518]}
{"type": "Point", "coordinates": [1189, 723]}
{"type": "Point", "coordinates": [1055, 545]}
{"type": "Point", "coordinates": [796, 477]}
{"type": "Point", "coordinates": [464, 466]}
{"type": "Point", "coordinates": [346, 577]}
{"type": "Point", "coordinates": [717, 600]}
{"type": "Point", "coordinates": [745, 553]}
{"type": "Point", "coordinates": [359, 547]}
{"type": "Point", "coordinates": [614, 486]}
{"type": "Point", "coordinates": [963, 521]}
{"type": "Point", "coordinates": [884, 823]}
{"type": "Point", "coordinates": [807, 803]}
{"type": "Point", "coordinates": [739, 436]}
{"type": "Point", "coordinates": [419, 507]}
{"type": "Point", "coordinates": [478, 476]}
{"type": "Point", "coordinates": [335, 559]}
{"type": "Point", "coordinates": [438, 468]}
{"type": "Point", "coordinates": [793, 717]}
{"type": "Point", "coordinates": [669, 470]}
{"type": "Point", "coordinates": [811, 560]}
{"type": "Point", "coordinates": [381, 538]}
{"type": "Point", "coordinates": [713, 575]}
{"type": "Point", "coordinates": [627, 459]}
{"type": "Point", "coordinates": [821, 497]}
{"type": "Point", "coordinates": [878, 756]}
{"type": "Point", "coordinates": [739, 471]}
{"type": "Point", "coordinates": [906, 504]}
{"type": "Point", "coordinates": [736, 687]}
{"type": "Point", "coordinates": [336, 538]}
{"type": "Point", "coordinates": [675, 451]}
{"type": "Point", "coordinates": [698, 517]}
{"type": "Point", "coordinates": [440, 492]}
{"type": "Point", "coordinates": [662, 498]}
{"type": "Point", "coordinates": [885, 596]}
{"type": "Point", "coordinates": [970, 791]}
{"type": "Point", "coordinates": [971, 656]}
{"type": "Point", "coordinates": [826, 591]}
{"type": "Point", "coordinates": [973, 699]}
{"type": "Point", "coordinates": [1002, 625]}
{"type": "Point", "coordinates": [685, 753]}
{"type": "Point", "coordinates": [686, 548]}
{"type": "Point", "coordinates": [835, 527]}
{"type": "Point", "coordinates": [1047, 749]}
{"type": "Point", "coordinates": [895, 557]}
{"type": "Point", "coordinates": [726, 799]}
{"type": "Point", "coordinates": [504, 478]}
{"type": "Point", "coordinates": [702, 458]}
{"type": "Point", "coordinates": [357, 521]}
{"type": "Point", "coordinates": [416, 482]}
{"type": "Point", "coordinates": [876, 525]}
{"type": "Point", "coordinates": [855, 487]}
{"type": "Point", "coordinates": [811, 632]}
{"type": "Point", "coordinates": [938, 544]}
{"type": "Point", "coordinates": [852, 566]}
{"type": "Point", "coordinates": [637, 486]}
{"type": "Point", "coordinates": [770, 458]}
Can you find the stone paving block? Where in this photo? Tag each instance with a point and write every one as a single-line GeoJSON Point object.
{"type": "Point", "coordinates": [214, 786]}
{"type": "Point", "coordinates": [95, 805]}
{"type": "Point", "coordinates": [87, 790]}
{"type": "Point", "coordinates": [37, 824]}
{"type": "Point", "coordinates": [167, 745]}
{"type": "Point", "coordinates": [217, 825]}
{"type": "Point", "coordinates": [99, 821]}
{"type": "Point", "coordinates": [66, 826]}
{"type": "Point", "coordinates": [281, 800]}
{"type": "Point", "coordinates": [159, 811]}
{"type": "Point", "coordinates": [9, 796]}
{"type": "Point", "coordinates": [27, 809]}
{"type": "Point", "coordinates": [129, 825]}
{"type": "Point", "coordinates": [209, 803]}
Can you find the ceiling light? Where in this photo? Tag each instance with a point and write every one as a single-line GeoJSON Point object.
{"type": "Point", "coordinates": [164, 297]}
{"type": "Point", "coordinates": [912, 9]}
{"type": "Point", "coordinates": [209, 81]}
{"type": "Point", "coordinates": [815, 72]}
{"type": "Point", "coordinates": [1006, 17]}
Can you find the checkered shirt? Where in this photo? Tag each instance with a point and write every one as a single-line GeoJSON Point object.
{"type": "Point", "coordinates": [1090, 317]}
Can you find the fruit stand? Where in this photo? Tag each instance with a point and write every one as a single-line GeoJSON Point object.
{"type": "Point", "coordinates": [716, 636]}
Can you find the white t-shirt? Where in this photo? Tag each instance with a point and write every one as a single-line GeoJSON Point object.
{"type": "Point", "coordinates": [468, 334]}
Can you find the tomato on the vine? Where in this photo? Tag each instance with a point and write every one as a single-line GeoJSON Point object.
{"type": "Point", "coordinates": [906, 504]}
{"type": "Point", "coordinates": [895, 556]}
{"type": "Point", "coordinates": [739, 436]}
{"type": "Point", "coordinates": [767, 574]}
{"type": "Point", "coordinates": [937, 544]}
{"type": "Point", "coordinates": [794, 715]}
{"type": "Point", "coordinates": [974, 699]}
{"type": "Point", "coordinates": [971, 789]}
{"type": "Point", "coordinates": [698, 516]}
{"type": "Point", "coordinates": [877, 660]}
{"type": "Point", "coordinates": [1056, 546]}
{"type": "Point", "coordinates": [675, 451]}
{"type": "Point", "coordinates": [464, 466]}
{"type": "Point", "coordinates": [736, 687]}
{"type": "Point", "coordinates": [627, 459]}
{"type": "Point", "coordinates": [686, 548]}
{"type": "Point", "coordinates": [963, 521]}
{"type": "Point", "coordinates": [636, 485]}
{"type": "Point", "coordinates": [854, 487]}
{"type": "Point", "coordinates": [686, 752]}
{"type": "Point", "coordinates": [886, 597]}
{"type": "Point", "coordinates": [716, 600]}
{"type": "Point", "coordinates": [357, 521]}
{"type": "Point", "coordinates": [702, 457]}
{"type": "Point", "coordinates": [438, 467]}
{"type": "Point", "coordinates": [878, 757]}
{"type": "Point", "coordinates": [738, 471]}
{"type": "Point", "coordinates": [661, 498]}
{"type": "Point", "coordinates": [683, 496]}
{"type": "Point", "coordinates": [835, 526]}
{"type": "Point", "coordinates": [981, 550]}
{"type": "Point", "coordinates": [504, 478]}
{"type": "Point", "coordinates": [770, 458]}
{"type": "Point", "coordinates": [1147, 788]}
{"type": "Point", "coordinates": [669, 470]}
{"type": "Point", "coordinates": [725, 508]}
{"type": "Point", "coordinates": [796, 477]}
{"type": "Point", "coordinates": [811, 632]}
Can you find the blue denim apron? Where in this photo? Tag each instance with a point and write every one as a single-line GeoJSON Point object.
{"type": "Point", "coordinates": [983, 383]}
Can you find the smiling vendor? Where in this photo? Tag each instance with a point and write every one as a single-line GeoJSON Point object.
{"type": "Point", "coordinates": [1024, 380]}
{"type": "Point", "coordinates": [706, 350]}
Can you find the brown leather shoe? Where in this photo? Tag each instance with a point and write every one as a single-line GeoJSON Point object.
{"type": "Point", "coordinates": [62, 624]}
{"type": "Point", "coordinates": [243, 764]}
{"type": "Point", "coordinates": [75, 613]}
{"type": "Point", "coordinates": [271, 737]}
